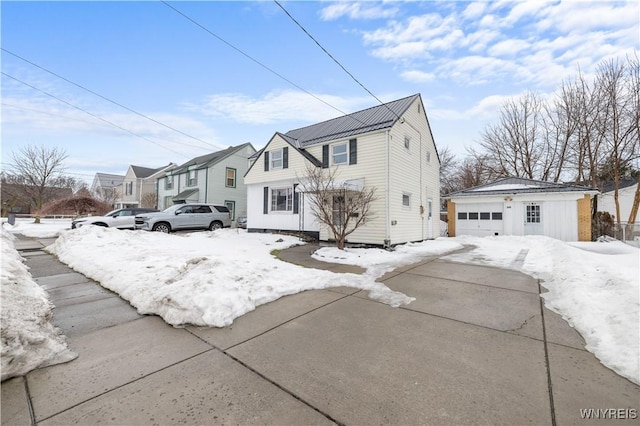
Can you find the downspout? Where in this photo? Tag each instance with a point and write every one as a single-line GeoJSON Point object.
{"type": "Point", "coordinates": [206, 183]}
{"type": "Point", "coordinates": [387, 221]}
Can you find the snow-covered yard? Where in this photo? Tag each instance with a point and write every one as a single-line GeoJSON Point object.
{"type": "Point", "coordinates": [211, 278]}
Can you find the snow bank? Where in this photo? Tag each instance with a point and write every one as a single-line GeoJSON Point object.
{"type": "Point", "coordinates": [29, 340]}
{"type": "Point", "coordinates": [203, 278]}
{"type": "Point", "coordinates": [594, 286]}
{"type": "Point", "coordinates": [378, 262]}
{"type": "Point", "coordinates": [47, 228]}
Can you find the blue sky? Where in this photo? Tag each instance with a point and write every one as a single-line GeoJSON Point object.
{"type": "Point", "coordinates": [465, 58]}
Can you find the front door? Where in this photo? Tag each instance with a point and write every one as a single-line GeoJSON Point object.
{"type": "Point", "coordinates": [533, 219]}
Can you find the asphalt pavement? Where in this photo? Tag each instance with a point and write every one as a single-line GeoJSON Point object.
{"type": "Point", "coordinates": [477, 346]}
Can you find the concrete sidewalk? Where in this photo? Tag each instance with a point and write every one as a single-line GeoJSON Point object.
{"type": "Point", "coordinates": [476, 347]}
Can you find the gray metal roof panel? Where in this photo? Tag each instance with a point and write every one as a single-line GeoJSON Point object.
{"type": "Point", "coordinates": [367, 120]}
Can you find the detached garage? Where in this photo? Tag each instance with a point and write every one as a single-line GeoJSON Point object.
{"type": "Point", "coordinates": [518, 206]}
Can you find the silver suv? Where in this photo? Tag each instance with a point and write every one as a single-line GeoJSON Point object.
{"type": "Point", "coordinates": [120, 218]}
{"type": "Point", "coordinates": [184, 217]}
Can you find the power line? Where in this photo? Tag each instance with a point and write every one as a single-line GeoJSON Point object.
{"type": "Point", "coordinates": [331, 56]}
{"type": "Point", "coordinates": [84, 121]}
{"type": "Point", "coordinates": [91, 114]}
{"type": "Point", "coordinates": [107, 99]}
{"type": "Point", "coordinates": [246, 55]}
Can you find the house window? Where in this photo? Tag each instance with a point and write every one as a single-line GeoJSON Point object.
{"type": "Point", "coordinates": [276, 159]}
{"type": "Point", "coordinates": [168, 201]}
{"type": "Point", "coordinates": [406, 199]}
{"type": "Point", "coordinates": [231, 178]}
{"type": "Point", "coordinates": [168, 182]}
{"type": "Point", "coordinates": [533, 213]}
{"type": "Point", "coordinates": [339, 154]}
{"type": "Point", "coordinates": [129, 188]}
{"type": "Point", "coordinates": [282, 199]}
{"type": "Point", "coordinates": [428, 156]}
{"type": "Point", "coordinates": [192, 178]}
{"type": "Point", "coordinates": [338, 211]}
{"type": "Point", "coordinates": [407, 142]}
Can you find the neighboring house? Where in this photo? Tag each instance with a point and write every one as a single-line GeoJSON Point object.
{"type": "Point", "coordinates": [106, 187]}
{"type": "Point", "coordinates": [389, 147]}
{"type": "Point", "coordinates": [138, 188]}
{"type": "Point", "coordinates": [626, 194]}
{"type": "Point", "coordinates": [214, 178]}
{"type": "Point", "coordinates": [517, 206]}
{"type": "Point", "coordinates": [19, 198]}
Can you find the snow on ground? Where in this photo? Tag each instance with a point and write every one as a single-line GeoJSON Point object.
{"type": "Point", "coordinates": [595, 286]}
{"type": "Point", "coordinates": [200, 278]}
{"type": "Point", "coordinates": [47, 228]}
{"type": "Point", "coordinates": [378, 262]}
{"type": "Point", "coordinates": [29, 340]}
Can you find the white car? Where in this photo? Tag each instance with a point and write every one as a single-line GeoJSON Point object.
{"type": "Point", "coordinates": [120, 218]}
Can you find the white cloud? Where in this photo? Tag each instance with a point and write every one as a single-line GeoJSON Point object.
{"type": "Point", "coordinates": [508, 47]}
{"type": "Point", "coordinates": [474, 10]}
{"type": "Point", "coordinates": [416, 76]}
{"type": "Point", "coordinates": [355, 10]}
{"type": "Point", "coordinates": [282, 106]}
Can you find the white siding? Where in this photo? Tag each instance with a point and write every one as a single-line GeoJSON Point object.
{"type": "Point", "coordinates": [282, 221]}
{"type": "Point", "coordinates": [606, 202]}
{"type": "Point", "coordinates": [411, 173]}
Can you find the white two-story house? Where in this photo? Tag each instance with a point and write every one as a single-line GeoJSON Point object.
{"type": "Point", "coordinates": [214, 178]}
{"type": "Point", "coordinates": [389, 147]}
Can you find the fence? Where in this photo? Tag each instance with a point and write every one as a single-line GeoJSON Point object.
{"type": "Point", "coordinates": [624, 232]}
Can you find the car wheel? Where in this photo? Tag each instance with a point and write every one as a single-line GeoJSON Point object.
{"type": "Point", "coordinates": [162, 227]}
{"type": "Point", "coordinates": [215, 225]}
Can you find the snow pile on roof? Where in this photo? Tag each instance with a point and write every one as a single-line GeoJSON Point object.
{"type": "Point", "coordinates": [505, 187]}
{"type": "Point", "coordinates": [204, 278]}
{"type": "Point", "coordinates": [594, 286]}
{"type": "Point", "coordinates": [29, 340]}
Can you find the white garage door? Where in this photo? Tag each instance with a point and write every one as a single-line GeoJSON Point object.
{"type": "Point", "coordinates": [479, 219]}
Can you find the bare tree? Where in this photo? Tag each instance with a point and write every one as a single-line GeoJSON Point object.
{"type": "Point", "coordinates": [150, 200]}
{"type": "Point", "coordinates": [342, 206]}
{"type": "Point", "coordinates": [448, 173]}
{"type": "Point", "coordinates": [40, 170]}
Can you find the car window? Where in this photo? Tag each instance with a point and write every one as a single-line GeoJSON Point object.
{"type": "Point", "coordinates": [126, 213]}
{"type": "Point", "coordinates": [222, 209]}
{"type": "Point", "coordinates": [202, 209]}
{"type": "Point", "coordinates": [187, 209]}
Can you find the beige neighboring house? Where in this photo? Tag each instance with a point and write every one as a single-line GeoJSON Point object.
{"type": "Point", "coordinates": [138, 188]}
{"type": "Point", "coordinates": [389, 147]}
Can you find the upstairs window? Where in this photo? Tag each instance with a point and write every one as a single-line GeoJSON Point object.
{"type": "Point", "coordinates": [407, 142]}
{"type": "Point", "coordinates": [168, 182]}
{"type": "Point", "coordinates": [192, 178]}
{"type": "Point", "coordinates": [339, 154]}
{"type": "Point", "coordinates": [230, 178]}
{"type": "Point", "coordinates": [276, 159]}
{"type": "Point", "coordinates": [406, 200]}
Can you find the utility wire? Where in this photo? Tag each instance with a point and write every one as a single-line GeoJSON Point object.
{"type": "Point", "coordinates": [83, 121]}
{"type": "Point", "coordinates": [331, 56]}
{"type": "Point", "coordinates": [107, 99]}
{"type": "Point", "coordinates": [91, 114]}
{"type": "Point", "coordinates": [246, 55]}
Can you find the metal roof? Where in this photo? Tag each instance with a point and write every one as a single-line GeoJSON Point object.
{"type": "Point", "coordinates": [368, 120]}
{"type": "Point", "coordinates": [208, 158]}
{"type": "Point", "coordinates": [515, 185]}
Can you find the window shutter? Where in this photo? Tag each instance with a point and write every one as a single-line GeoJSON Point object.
{"type": "Point", "coordinates": [353, 151]}
{"type": "Point", "coordinates": [285, 157]}
{"type": "Point", "coordinates": [325, 156]}
{"type": "Point", "coordinates": [296, 199]}
{"type": "Point", "coordinates": [265, 201]}
{"type": "Point", "coordinates": [266, 161]}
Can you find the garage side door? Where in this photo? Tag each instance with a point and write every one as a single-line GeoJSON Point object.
{"type": "Point", "coordinates": [480, 219]}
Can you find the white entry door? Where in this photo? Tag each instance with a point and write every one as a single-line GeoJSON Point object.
{"type": "Point", "coordinates": [533, 219]}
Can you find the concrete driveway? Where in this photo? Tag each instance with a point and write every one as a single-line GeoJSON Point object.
{"type": "Point", "coordinates": [476, 347]}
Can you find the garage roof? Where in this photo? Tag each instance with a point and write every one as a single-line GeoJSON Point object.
{"type": "Point", "coordinates": [515, 185]}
